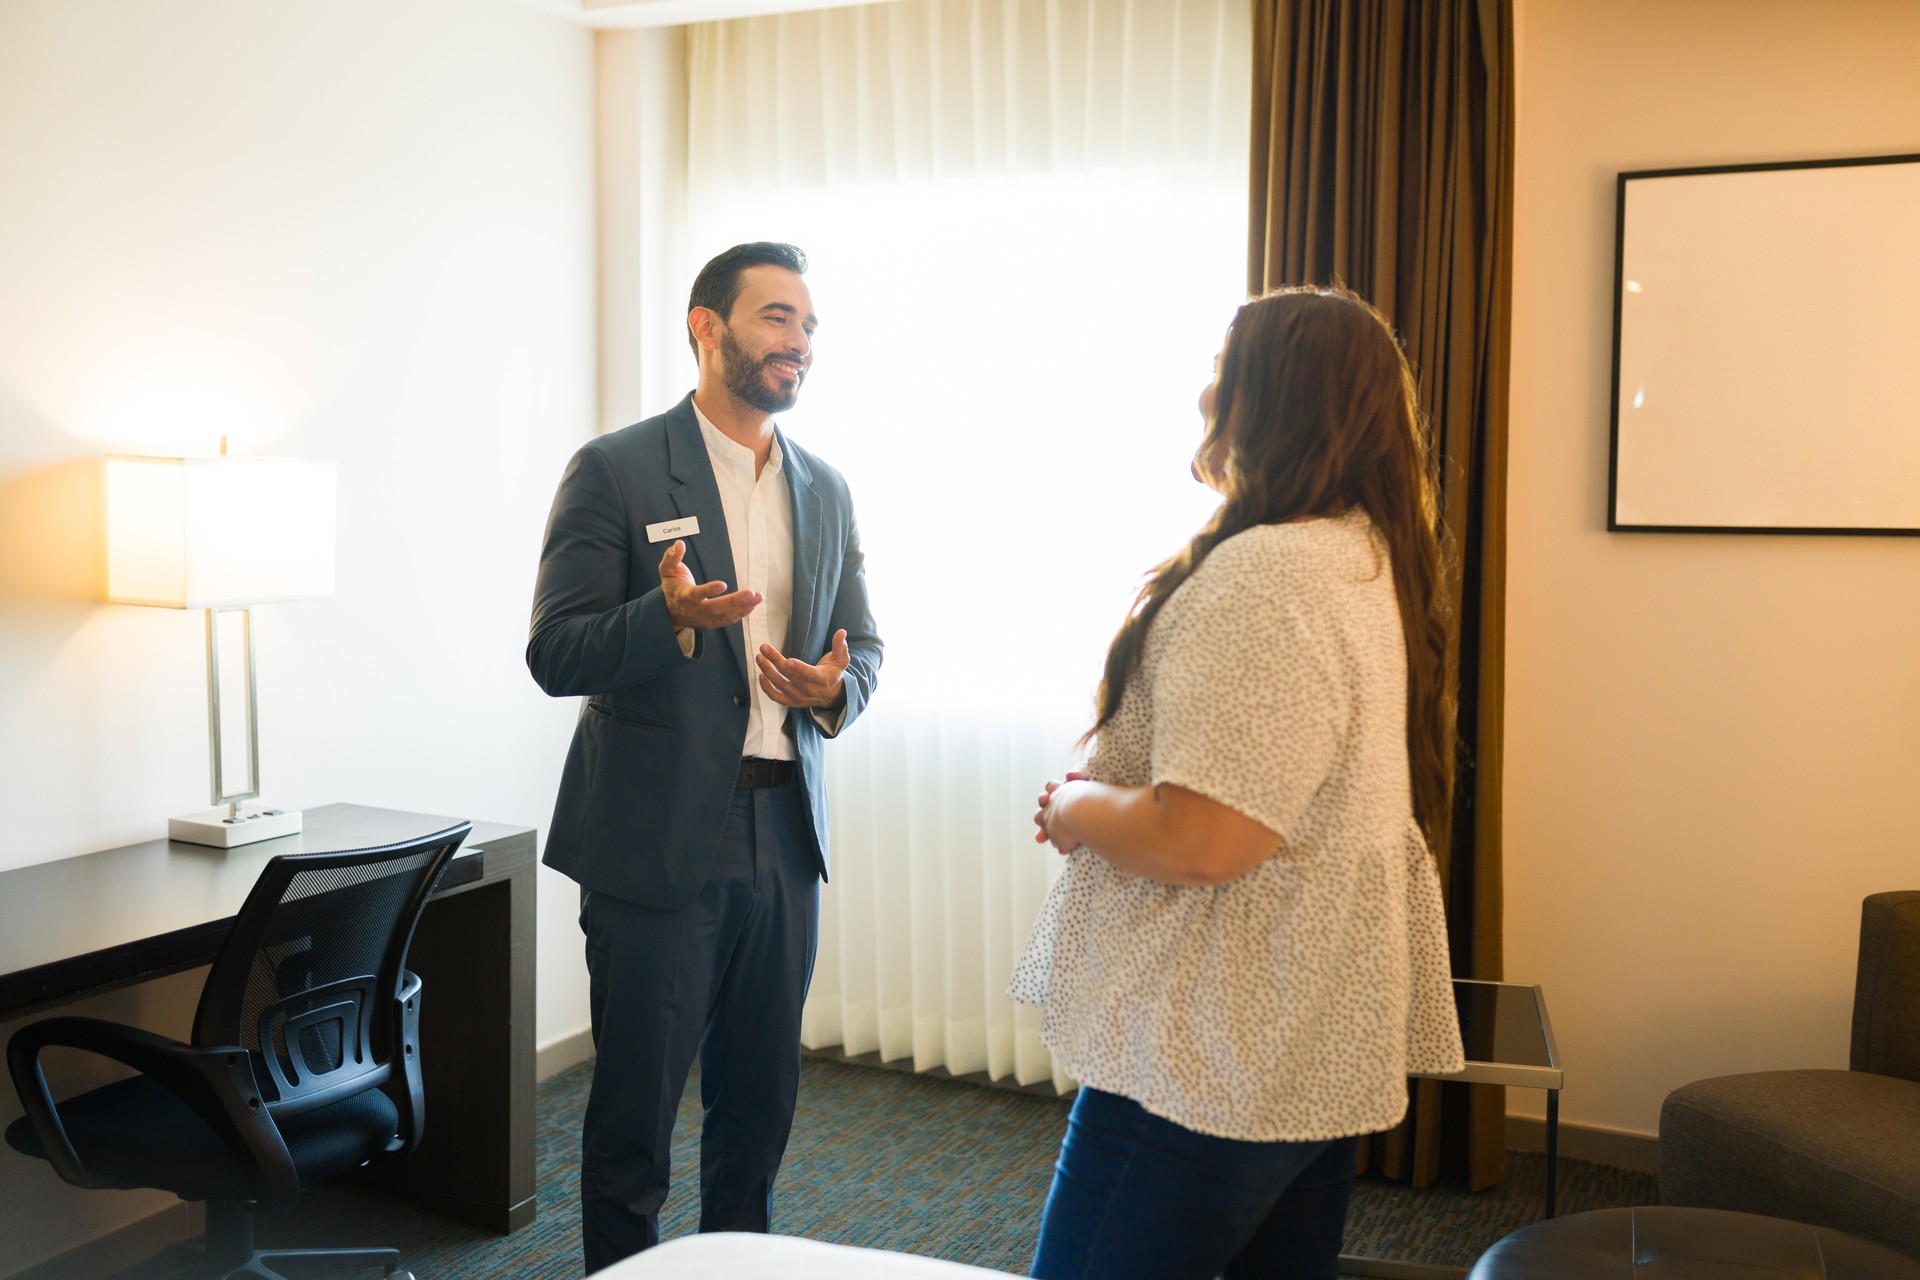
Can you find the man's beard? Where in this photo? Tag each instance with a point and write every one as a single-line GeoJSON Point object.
{"type": "Point", "coordinates": [746, 379]}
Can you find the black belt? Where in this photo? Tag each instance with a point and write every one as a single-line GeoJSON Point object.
{"type": "Point", "coordinates": [755, 772]}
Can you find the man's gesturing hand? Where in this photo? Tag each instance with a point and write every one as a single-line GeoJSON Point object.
{"type": "Point", "coordinates": [792, 683]}
{"type": "Point", "coordinates": [702, 606]}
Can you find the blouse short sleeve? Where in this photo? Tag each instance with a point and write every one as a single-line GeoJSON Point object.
{"type": "Point", "coordinates": [1250, 705]}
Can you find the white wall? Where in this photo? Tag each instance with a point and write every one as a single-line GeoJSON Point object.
{"type": "Point", "coordinates": [1712, 742]}
{"type": "Point", "coordinates": [645, 365]}
{"type": "Point", "coordinates": [359, 230]}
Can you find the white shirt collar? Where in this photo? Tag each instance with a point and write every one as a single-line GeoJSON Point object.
{"type": "Point", "coordinates": [724, 448]}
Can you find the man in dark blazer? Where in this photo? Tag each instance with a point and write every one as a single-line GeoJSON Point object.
{"type": "Point", "coordinates": [686, 558]}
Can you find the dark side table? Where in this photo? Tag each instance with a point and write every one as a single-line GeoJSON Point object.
{"type": "Point", "coordinates": [1508, 1041]}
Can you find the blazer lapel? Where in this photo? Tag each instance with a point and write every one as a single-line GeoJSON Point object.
{"type": "Point", "coordinates": [807, 544]}
{"type": "Point", "coordinates": [709, 553]}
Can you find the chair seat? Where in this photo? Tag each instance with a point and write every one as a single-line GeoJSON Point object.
{"type": "Point", "coordinates": [1837, 1148]}
{"type": "Point", "coordinates": [1668, 1243]}
{"type": "Point", "coordinates": [135, 1133]}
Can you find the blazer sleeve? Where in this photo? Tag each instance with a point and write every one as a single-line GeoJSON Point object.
{"type": "Point", "coordinates": [864, 649]}
{"type": "Point", "coordinates": [587, 636]}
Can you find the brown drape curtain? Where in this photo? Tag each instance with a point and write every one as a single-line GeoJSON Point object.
{"type": "Point", "coordinates": [1383, 159]}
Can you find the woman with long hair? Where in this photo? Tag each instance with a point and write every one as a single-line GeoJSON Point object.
{"type": "Point", "coordinates": [1246, 953]}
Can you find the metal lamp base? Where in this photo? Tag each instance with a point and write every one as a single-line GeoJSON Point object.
{"type": "Point", "coordinates": [224, 830]}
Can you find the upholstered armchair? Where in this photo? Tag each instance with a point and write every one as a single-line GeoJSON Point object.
{"type": "Point", "coordinates": [1837, 1149]}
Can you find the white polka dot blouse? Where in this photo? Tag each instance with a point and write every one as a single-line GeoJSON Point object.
{"type": "Point", "coordinates": [1288, 1004]}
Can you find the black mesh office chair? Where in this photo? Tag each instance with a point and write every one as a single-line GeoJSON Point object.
{"type": "Point", "coordinates": [305, 1060]}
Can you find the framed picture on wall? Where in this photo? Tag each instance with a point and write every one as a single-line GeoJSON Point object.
{"type": "Point", "coordinates": [1766, 349]}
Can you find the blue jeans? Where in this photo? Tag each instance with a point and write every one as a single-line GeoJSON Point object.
{"type": "Point", "coordinates": [1137, 1196]}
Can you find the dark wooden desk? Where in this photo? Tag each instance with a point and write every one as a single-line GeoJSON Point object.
{"type": "Point", "coordinates": [82, 925]}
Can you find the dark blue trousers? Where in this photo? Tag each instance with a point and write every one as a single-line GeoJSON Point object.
{"type": "Point", "coordinates": [1136, 1196]}
{"type": "Point", "coordinates": [725, 977]}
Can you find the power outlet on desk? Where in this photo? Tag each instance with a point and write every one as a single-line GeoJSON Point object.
{"type": "Point", "coordinates": [222, 830]}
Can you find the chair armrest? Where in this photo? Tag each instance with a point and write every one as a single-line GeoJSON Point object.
{"type": "Point", "coordinates": [410, 1098]}
{"type": "Point", "coordinates": [1886, 995]}
{"type": "Point", "coordinates": [216, 1081]}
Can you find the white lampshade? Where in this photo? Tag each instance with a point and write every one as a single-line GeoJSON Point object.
{"type": "Point", "coordinates": [216, 533]}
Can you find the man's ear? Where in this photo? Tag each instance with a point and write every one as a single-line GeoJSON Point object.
{"type": "Point", "coordinates": [704, 322]}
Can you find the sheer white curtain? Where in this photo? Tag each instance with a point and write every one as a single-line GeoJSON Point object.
{"type": "Point", "coordinates": [1027, 226]}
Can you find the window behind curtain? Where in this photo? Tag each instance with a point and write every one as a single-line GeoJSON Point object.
{"type": "Point", "coordinates": [1027, 226]}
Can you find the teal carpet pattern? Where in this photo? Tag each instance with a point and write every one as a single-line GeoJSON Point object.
{"type": "Point", "coordinates": [891, 1160]}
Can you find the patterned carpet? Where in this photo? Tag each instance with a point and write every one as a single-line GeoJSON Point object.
{"type": "Point", "coordinates": [898, 1161]}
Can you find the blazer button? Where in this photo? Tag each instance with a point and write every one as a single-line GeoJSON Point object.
{"type": "Point", "coordinates": [739, 700]}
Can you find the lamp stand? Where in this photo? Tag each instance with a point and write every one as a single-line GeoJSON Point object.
{"type": "Point", "coordinates": [232, 823]}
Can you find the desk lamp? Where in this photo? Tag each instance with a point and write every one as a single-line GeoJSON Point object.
{"type": "Point", "coordinates": [221, 534]}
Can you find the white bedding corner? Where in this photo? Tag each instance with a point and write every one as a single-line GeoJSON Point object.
{"type": "Point", "coordinates": [743, 1256]}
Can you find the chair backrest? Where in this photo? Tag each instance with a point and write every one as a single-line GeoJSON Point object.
{"type": "Point", "coordinates": [307, 982]}
{"type": "Point", "coordinates": [1886, 993]}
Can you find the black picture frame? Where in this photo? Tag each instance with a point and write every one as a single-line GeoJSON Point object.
{"type": "Point", "coordinates": [1615, 522]}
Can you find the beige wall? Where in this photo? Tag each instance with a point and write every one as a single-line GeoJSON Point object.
{"type": "Point", "coordinates": [1712, 742]}
{"type": "Point", "coordinates": [360, 230]}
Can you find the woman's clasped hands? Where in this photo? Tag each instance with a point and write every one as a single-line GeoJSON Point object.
{"type": "Point", "coordinates": [1050, 818]}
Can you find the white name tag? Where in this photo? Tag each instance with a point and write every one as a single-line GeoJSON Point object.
{"type": "Point", "coordinates": [668, 530]}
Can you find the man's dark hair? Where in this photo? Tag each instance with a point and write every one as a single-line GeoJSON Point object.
{"type": "Point", "coordinates": [717, 287]}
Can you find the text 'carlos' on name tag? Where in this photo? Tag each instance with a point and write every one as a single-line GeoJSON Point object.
{"type": "Point", "coordinates": [667, 530]}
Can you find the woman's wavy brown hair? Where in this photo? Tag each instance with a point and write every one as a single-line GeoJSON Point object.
{"type": "Point", "coordinates": [1314, 414]}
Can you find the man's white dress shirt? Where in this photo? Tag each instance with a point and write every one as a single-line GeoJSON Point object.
{"type": "Point", "coordinates": [759, 513]}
